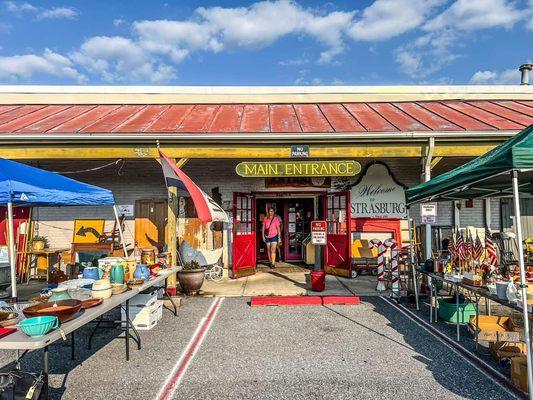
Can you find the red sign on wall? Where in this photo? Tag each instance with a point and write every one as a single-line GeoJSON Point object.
{"type": "Point", "coordinates": [319, 232]}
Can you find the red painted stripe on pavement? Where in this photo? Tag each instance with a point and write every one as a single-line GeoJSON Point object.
{"type": "Point", "coordinates": [263, 301]}
{"type": "Point", "coordinates": [173, 381]}
{"type": "Point", "coordinates": [477, 362]}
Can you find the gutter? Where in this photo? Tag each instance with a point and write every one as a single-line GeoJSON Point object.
{"type": "Point", "coordinates": [259, 137]}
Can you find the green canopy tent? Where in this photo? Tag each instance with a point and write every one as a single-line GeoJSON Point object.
{"type": "Point", "coordinates": [505, 171]}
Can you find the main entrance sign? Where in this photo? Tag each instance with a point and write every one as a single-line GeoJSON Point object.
{"type": "Point", "coordinates": [297, 168]}
{"type": "Point", "coordinates": [377, 195]}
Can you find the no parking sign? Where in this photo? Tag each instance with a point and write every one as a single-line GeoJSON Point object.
{"type": "Point", "coordinates": [318, 232]}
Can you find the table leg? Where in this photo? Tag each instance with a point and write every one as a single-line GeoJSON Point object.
{"type": "Point", "coordinates": [45, 360]}
{"type": "Point", "coordinates": [165, 294]}
{"type": "Point", "coordinates": [127, 330]}
{"type": "Point", "coordinates": [430, 282]}
{"type": "Point", "coordinates": [477, 321]}
{"type": "Point", "coordinates": [489, 311]}
{"type": "Point", "coordinates": [72, 354]}
{"type": "Point", "coordinates": [94, 331]}
{"type": "Point", "coordinates": [435, 306]}
{"type": "Point", "coordinates": [457, 319]}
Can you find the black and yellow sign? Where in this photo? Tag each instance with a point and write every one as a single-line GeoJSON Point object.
{"type": "Point", "coordinates": [297, 168]}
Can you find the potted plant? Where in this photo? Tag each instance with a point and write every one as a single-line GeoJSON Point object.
{"type": "Point", "coordinates": [39, 243]}
{"type": "Point", "coordinates": [191, 277]}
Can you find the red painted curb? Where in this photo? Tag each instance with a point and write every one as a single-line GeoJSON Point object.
{"type": "Point", "coordinates": [353, 300]}
{"type": "Point", "coordinates": [302, 300]}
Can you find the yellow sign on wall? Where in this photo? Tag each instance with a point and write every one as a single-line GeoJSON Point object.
{"type": "Point", "coordinates": [88, 230]}
{"type": "Point", "coordinates": [297, 168]}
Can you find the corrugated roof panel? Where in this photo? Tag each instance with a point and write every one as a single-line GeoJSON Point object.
{"type": "Point", "coordinates": [429, 119]}
{"type": "Point", "coordinates": [82, 120]}
{"type": "Point", "coordinates": [30, 118]}
{"type": "Point", "coordinates": [199, 119]}
{"type": "Point", "coordinates": [514, 105]}
{"type": "Point", "coordinates": [4, 109]}
{"type": "Point", "coordinates": [311, 118]}
{"type": "Point", "coordinates": [456, 117]}
{"type": "Point", "coordinates": [18, 113]}
{"type": "Point", "coordinates": [502, 112]}
{"type": "Point", "coordinates": [227, 119]}
{"type": "Point", "coordinates": [369, 118]}
{"type": "Point", "coordinates": [171, 119]}
{"type": "Point", "coordinates": [255, 118]}
{"type": "Point", "coordinates": [140, 121]}
{"type": "Point", "coordinates": [482, 115]}
{"type": "Point", "coordinates": [50, 122]}
{"type": "Point", "coordinates": [113, 119]}
{"type": "Point", "coordinates": [341, 119]}
{"type": "Point", "coordinates": [398, 118]}
{"type": "Point", "coordinates": [283, 119]}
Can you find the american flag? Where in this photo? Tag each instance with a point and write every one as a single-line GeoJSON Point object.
{"type": "Point", "coordinates": [451, 248]}
{"type": "Point", "coordinates": [460, 245]}
{"type": "Point", "coordinates": [468, 247]}
{"type": "Point", "coordinates": [478, 249]}
{"type": "Point", "coordinates": [492, 257]}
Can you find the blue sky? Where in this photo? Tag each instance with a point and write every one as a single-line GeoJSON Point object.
{"type": "Point", "coordinates": [278, 42]}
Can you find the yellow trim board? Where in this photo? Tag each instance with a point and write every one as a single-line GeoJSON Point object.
{"type": "Point", "coordinates": [18, 152]}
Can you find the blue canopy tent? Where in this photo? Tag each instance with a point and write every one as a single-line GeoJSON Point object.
{"type": "Point", "coordinates": [23, 185]}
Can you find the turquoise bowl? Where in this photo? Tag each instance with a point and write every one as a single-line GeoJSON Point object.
{"type": "Point", "coordinates": [38, 326]}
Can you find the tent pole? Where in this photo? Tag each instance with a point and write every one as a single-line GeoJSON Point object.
{"type": "Point", "coordinates": [12, 251]}
{"type": "Point", "coordinates": [518, 225]}
{"type": "Point", "coordinates": [411, 227]}
{"type": "Point", "coordinates": [120, 231]}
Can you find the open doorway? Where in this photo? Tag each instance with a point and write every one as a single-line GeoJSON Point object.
{"type": "Point", "coordinates": [296, 215]}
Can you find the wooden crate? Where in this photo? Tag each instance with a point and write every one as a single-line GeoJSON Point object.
{"type": "Point", "coordinates": [519, 372]}
{"type": "Point", "coordinates": [501, 350]}
{"type": "Point", "coordinates": [494, 328]}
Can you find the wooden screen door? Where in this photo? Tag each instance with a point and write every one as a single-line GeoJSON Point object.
{"type": "Point", "coordinates": [244, 235]}
{"type": "Point", "coordinates": [151, 223]}
{"type": "Point", "coordinates": [337, 256]}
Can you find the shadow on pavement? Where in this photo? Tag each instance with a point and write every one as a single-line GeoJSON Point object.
{"type": "Point", "coordinates": [60, 353]}
{"type": "Point", "coordinates": [449, 369]}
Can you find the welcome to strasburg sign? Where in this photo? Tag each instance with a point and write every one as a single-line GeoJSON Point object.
{"type": "Point", "coordinates": [265, 169]}
{"type": "Point", "coordinates": [377, 195]}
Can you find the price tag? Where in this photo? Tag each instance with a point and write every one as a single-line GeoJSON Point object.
{"type": "Point", "coordinates": [63, 334]}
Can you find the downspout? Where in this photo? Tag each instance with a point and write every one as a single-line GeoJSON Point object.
{"type": "Point", "coordinates": [427, 177]}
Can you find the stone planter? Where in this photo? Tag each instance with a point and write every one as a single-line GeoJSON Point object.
{"type": "Point", "coordinates": [191, 280]}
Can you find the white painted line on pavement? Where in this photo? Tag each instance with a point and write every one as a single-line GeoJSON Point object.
{"type": "Point", "coordinates": [177, 373]}
{"type": "Point", "coordinates": [491, 373]}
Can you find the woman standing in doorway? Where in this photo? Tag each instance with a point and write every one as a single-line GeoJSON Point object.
{"type": "Point", "coordinates": [272, 235]}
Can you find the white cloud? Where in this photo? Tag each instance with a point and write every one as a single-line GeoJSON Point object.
{"type": "Point", "coordinates": [529, 18]}
{"type": "Point", "coordinates": [444, 34]}
{"type": "Point", "coordinates": [385, 19]}
{"type": "Point", "coordinates": [468, 15]}
{"type": "Point", "coordinates": [40, 12]}
{"type": "Point", "coordinates": [505, 77]}
{"type": "Point", "coordinates": [118, 22]}
{"type": "Point", "coordinates": [17, 7]}
{"type": "Point", "coordinates": [24, 67]}
{"type": "Point", "coordinates": [58, 13]}
{"type": "Point", "coordinates": [122, 60]}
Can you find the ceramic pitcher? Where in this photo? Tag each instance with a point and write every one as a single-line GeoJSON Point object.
{"type": "Point", "coordinates": [117, 274]}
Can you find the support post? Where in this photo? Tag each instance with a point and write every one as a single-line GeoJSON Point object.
{"type": "Point", "coordinates": [172, 240]}
{"type": "Point", "coordinates": [523, 284]}
{"type": "Point", "coordinates": [120, 232]}
{"type": "Point", "coordinates": [12, 251]}
{"type": "Point", "coordinates": [410, 228]}
{"type": "Point", "coordinates": [427, 177]}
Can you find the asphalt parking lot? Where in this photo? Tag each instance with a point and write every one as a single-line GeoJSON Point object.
{"type": "Point", "coordinates": [369, 351]}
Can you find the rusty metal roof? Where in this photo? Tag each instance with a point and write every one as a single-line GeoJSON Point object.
{"type": "Point", "coordinates": [421, 116]}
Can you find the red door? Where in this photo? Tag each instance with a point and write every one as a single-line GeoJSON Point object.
{"type": "Point", "coordinates": [244, 236]}
{"type": "Point", "coordinates": [337, 257]}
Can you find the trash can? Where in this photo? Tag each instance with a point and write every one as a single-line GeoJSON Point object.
{"type": "Point", "coordinates": [318, 281]}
